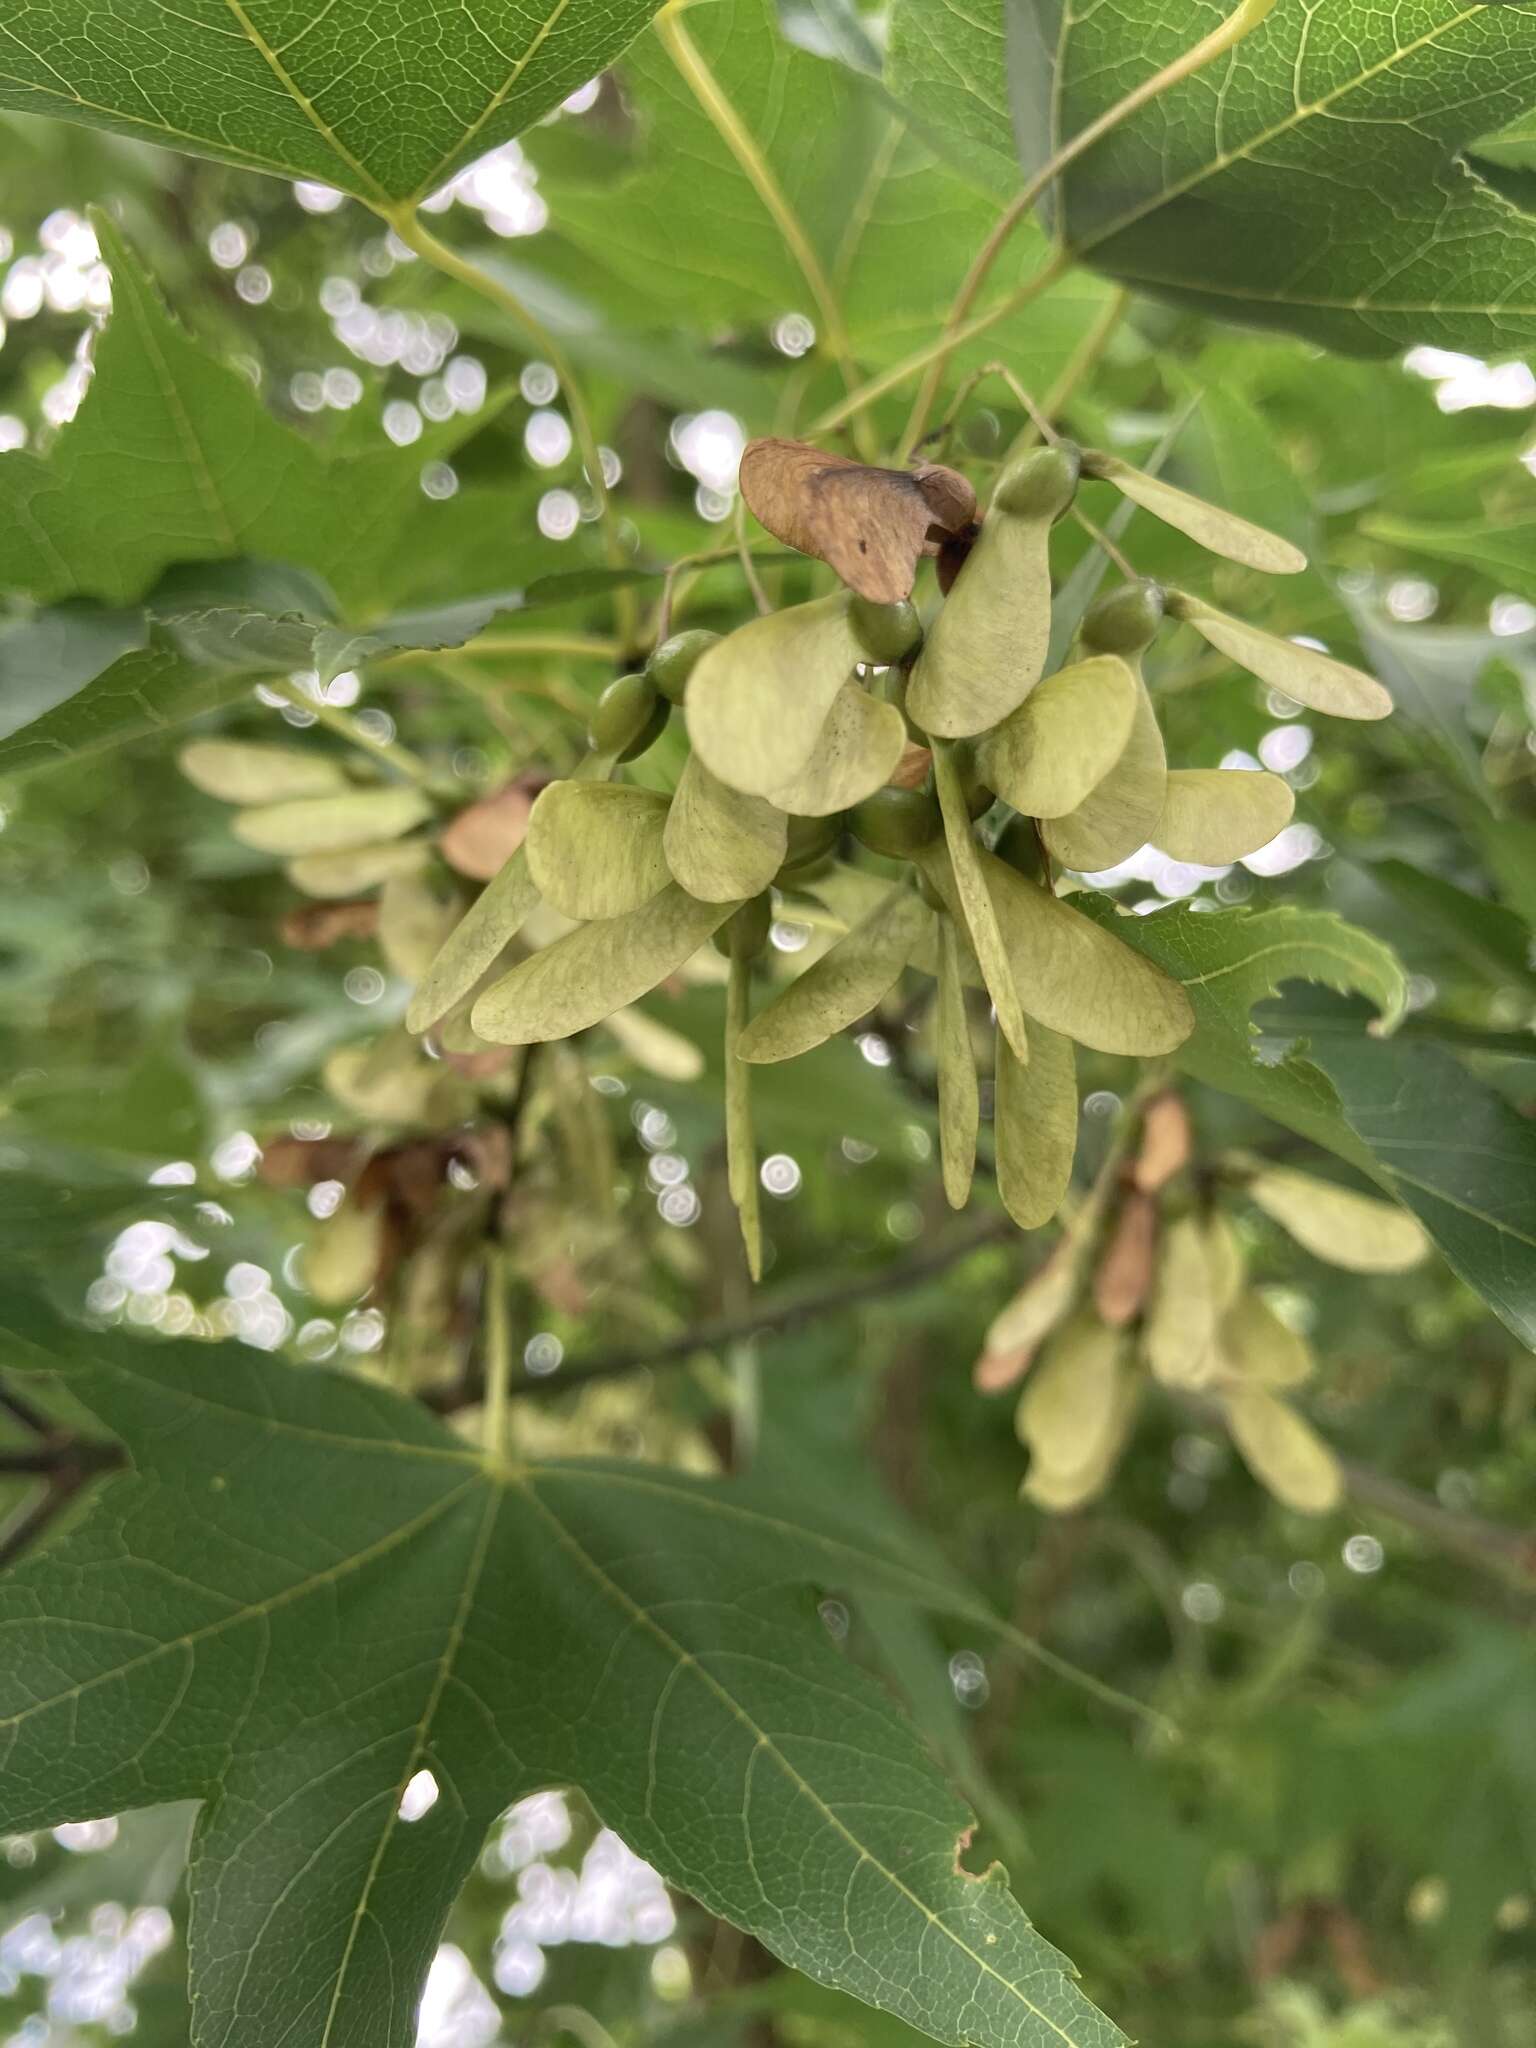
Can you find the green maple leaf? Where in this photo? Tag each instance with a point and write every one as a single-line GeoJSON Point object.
{"type": "Point", "coordinates": [685, 240]}
{"type": "Point", "coordinates": [185, 441]}
{"type": "Point", "coordinates": [304, 1590]}
{"type": "Point", "coordinates": [1317, 177]}
{"type": "Point", "coordinates": [383, 103]}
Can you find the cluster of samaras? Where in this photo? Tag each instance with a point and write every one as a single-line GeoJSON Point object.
{"type": "Point", "coordinates": [846, 723]}
{"type": "Point", "coordinates": [844, 715]}
{"type": "Point", "coordinates": [1149, 1283]}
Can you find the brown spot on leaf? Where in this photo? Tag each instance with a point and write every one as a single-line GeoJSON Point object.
{"type": "Point", "coordinates": [869, 525]}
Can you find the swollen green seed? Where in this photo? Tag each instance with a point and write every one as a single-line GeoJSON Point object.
{"type": "Point", "coordinates": [896, 821]}
{"type": "Point", "coordinates": [671, 664]}
{"type": "Point", "coordinates": [809, 838]}
{"type": "Point", "coordinates": [794, 876]}
{"type": "Point", "coordinates": [621, 715]}
{"type": "Point", "coordinates": [1019, 845]}
{"type": "Point", "coordinates": [746, 934]}
{"type": "Point", "coordinates": [1040, 485]}
{"type": "Point", "coordinates": [1126, 620]}
{"type": "Point", "coordinates": [886, 632]}
{"type": "Point", "coordinates": [651, 732]}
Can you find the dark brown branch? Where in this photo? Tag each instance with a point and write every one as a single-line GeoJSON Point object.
{"type": "Point", "coordinates": [21, 1410]}
{"type": "Point", "coordinates": [68, 1463]}
{"type": "Point", "coordinates": [771, 1317]}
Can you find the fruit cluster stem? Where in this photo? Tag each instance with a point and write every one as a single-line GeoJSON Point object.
{"type": "Point", "coordinates": [407, 225]}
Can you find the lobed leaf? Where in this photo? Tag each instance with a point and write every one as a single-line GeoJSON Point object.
{"type": "Point", "coordinates": [425, 1609]}
{"type": "Point", "coordinates": [385, 111]}
{"type": "Point", "coordinates": [1315, 178]}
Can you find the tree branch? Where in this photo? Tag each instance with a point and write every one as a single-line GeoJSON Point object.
{"type": "Point", "coordinates": [771, 1317]}
{"type": "Point", "coordinates": [1509, 1554]}
{"type": "Point", "coordinates": [68, 1463]}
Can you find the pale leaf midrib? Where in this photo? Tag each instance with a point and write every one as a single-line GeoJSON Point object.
{"type": "Point", "coordinates": [1180, 188]}
{"type": "Point", "coordinates": [641, 1616]}
{"type": "Point", "coordinates": [421, 1735]}
{"type": "Point", "coordinates": [301, 99]}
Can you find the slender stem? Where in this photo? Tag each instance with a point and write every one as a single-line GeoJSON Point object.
{"type": "Point", "coordinates": [704, 558]}
{"type": "Point", "coordinates": [1101, 539]}
{"type": "Point", "coordinates": [1085, 356]}
{"type": "Point", "coordinates": [893, 1278]}
{"type": "Point", "coordinates": [1073, 1674]}
{"type": "Point", "coordinates": [1507, 1553]}
{"type": "Point", "coordinates": [389, 752]}
{"type": "Point", "coordinates": [498, 1355]}
{"type": "Point", "coordinates": [1040, 428]}
{"type": "Point", "coordinates": [525, 646]}
{"type": "Point", "coordinates": [409, 228]}
{"type": "Point", "coordinates": [69, 1463]}
{"type": "Point", "coordinates": [461, 667]}
{"type": "Point", "coordinates": [1082, 361]}
{"type": "Point", "coordinates": [1238, 24]}
{"type": "Point", "coordinates": [21, 1410]}
{"type": "Point", "coordinates": [742, 144]}
{"type": "Point", "coordinates": [890, 380]}
{"type": "Point", "coordinates": [753, 581]}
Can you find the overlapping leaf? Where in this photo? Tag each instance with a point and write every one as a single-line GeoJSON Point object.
{"type": "Point", "coordinates": [1313, 178]}
{"type": "Point", "coordinates": [385, 106]}
{"type": "Point", "coordinates": [305, 1591]}
{"type": "Point", "coordinates": [686, 240]}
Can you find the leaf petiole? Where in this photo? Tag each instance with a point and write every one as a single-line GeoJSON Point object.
{"type": "Point", "coordinates": [1241, 22]}
{"type": "Point", "coordinates": [407, 225]}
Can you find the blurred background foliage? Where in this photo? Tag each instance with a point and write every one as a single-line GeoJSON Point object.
{"type": "Point", "coordinates": [1338, 1847]}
